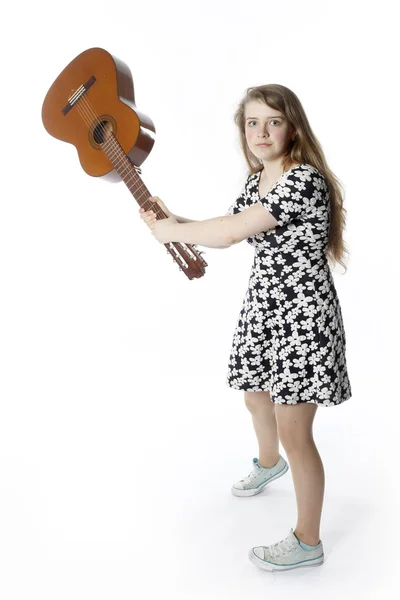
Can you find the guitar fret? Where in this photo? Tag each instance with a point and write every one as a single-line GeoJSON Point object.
{"type": "Point", "coordinates": [126, 169]}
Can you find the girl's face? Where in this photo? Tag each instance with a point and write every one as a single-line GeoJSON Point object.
{"type": "Point", "coordinates": [265, 124]}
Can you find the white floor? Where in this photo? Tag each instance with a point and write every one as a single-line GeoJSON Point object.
{"type": "Point", "coordinates": [105, 496]}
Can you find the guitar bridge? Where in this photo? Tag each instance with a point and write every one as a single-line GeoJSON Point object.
{"type": "Point", "coordinates": [76, 96]}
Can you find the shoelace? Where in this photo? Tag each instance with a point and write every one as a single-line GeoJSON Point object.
{"type": "Point", "coordinates": [281, 548]}
{"type": "Point", "coordinates": [249, 480]}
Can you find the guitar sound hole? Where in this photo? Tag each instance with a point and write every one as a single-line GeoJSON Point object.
{"type": "Point", "coordinates": [102, 132]}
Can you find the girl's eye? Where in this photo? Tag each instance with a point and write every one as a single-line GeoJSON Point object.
{"type": "Point", "coordinates": [273, 121]}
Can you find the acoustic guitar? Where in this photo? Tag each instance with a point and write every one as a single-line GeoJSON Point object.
{"type": "Point", "coordinates": [91, 105]}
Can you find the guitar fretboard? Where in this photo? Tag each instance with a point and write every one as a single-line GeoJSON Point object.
{"type": "Point", "coordinates": [127, 171]}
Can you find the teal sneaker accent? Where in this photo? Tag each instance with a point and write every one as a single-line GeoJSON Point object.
{"type": "Point", "coordinates": [306, 546]}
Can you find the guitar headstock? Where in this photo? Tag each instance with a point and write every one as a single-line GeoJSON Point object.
{"type": "Point", "coordinates": [188, 258]}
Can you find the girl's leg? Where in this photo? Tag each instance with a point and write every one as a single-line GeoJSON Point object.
{"type": "Point", "coordinates": [294, 423]}
{"type": "Point", "coordinates": [263, 414]}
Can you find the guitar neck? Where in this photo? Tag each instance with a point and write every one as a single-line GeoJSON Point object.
{"type": "Point", "coordinates": [186, 256]}
{"type": "Point", "coordinates": [127, 171]}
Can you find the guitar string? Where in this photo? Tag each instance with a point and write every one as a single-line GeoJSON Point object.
{"type": "Point", "coordinates": [112, 142]}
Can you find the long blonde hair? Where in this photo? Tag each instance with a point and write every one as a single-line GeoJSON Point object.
{"type": "Point", "coordinates": [304, 148]}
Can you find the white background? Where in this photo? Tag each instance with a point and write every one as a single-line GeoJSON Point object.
{"type": "Point", "coordinates": [119, 439]}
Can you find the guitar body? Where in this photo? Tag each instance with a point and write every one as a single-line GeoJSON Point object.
{"type": "Point", "coordinates": [107, 105]}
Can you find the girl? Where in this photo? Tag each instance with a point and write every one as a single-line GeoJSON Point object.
{"type": "Point", "coordinates": [289, 347]}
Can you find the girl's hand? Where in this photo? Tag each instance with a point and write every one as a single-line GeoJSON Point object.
{"type": "Point", "coordinates": [156, 203]}
{"type": "Point", "coordinates": [163, 228]}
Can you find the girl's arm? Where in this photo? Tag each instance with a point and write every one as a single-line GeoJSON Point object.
{"type": "Point", "coordinates": [183, 220]}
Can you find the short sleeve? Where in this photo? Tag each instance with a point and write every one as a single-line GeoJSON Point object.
{"type": "Point", "coordinates": [241, 201]}
{"type": "Point", "coordinates": [300, 194]}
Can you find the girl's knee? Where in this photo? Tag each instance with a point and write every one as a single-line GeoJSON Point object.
{"type": "Point", "coordinates": [256, 401]}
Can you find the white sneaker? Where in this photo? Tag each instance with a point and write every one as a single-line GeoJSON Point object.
{"type": "Point", "coordinates": [259, 477]}
{"type": "Point", "coordinates": [287, 554]}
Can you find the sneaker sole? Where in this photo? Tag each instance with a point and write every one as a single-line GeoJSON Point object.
{"type": "Point", "coordinates": [268, 566]}
{"type": "Point", "coordinates": [259, 488]}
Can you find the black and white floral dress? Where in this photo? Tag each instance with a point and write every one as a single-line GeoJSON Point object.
{"type": "Point", "coordinates": [289, 336]}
